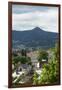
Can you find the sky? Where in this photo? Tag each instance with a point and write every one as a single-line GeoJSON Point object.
{"type": "Point", "coordinates": [25, 17]}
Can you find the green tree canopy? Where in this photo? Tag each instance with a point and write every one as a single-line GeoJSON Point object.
{"type": "Point", "coordinates": [42, 55]}
{"type": "Point", "coordinates": [21, 59]}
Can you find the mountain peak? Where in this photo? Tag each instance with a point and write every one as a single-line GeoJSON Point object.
{"type": "Point", "coordinates": [37, 28]}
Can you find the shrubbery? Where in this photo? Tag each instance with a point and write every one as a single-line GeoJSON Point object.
{"type": "Point", "coordinates": [50, 71]}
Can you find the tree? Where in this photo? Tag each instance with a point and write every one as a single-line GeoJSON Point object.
{"type": "Point", "coordinates": [23, 52]}
{"type": "Point", "coordinates": [44, 76]}
{"type": "Point", "coordinates": [29, 61]}
{"type": "Point", "coordinates": [20, 60]}
{"type": "Point", "coordinates": [50, 72]}
{"type": "Point", "coordinates": [35, 78]}
{"type": "Point", "coordinates": [42, 55]}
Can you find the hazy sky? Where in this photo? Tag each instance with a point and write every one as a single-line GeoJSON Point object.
{"type": "Point", "coordinates": [28, 17]}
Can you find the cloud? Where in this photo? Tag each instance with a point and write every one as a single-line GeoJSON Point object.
{"type": "Point", "coordinates": [26, 8]}
{"type": "Point", "coordinates": [46, 19]}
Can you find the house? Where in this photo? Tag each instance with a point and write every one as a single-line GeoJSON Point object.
{"type": "Point", "coordinates": [33, 56]}
{"type": "Point", "coordinates": [24, 67]}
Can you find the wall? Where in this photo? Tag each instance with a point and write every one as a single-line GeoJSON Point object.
{"type": "Point", "coordinates": [4, 44]}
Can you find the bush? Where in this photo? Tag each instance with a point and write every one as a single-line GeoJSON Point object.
{"type": "Point", "coordinates": [21, 59]}
{"type": "Point", "coordinates": [50, 71]}
{"type": "Point", "coordinates": [35, 78]}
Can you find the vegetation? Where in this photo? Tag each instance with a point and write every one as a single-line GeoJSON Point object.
{"type": "Point", "coordinates": [21, 59]}
{"type": "Point", "coordinates": [23, 52]}
{"type": "Point", "coordinates": [13, 78]}
{"type": "Point", "coordinates": [50, 71]}
{"type": "Point", "coordinates": [18, 60]}
{"type": "Point", "coordinates": [35, 78]}
{"type": "Point", "coordinates": [34, 38]}
{"type": "Point", "coordinates": [42, 55]}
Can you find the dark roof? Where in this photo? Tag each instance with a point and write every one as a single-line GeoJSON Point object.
{"type": "Point", "coordinates": [25, 66]}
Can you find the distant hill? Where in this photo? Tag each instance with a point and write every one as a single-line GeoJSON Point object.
{"type": "Point", "coordinates": [34, 38]}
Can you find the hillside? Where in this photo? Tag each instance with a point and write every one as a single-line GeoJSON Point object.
{"type": "Point", "coordinates": [34, 38]}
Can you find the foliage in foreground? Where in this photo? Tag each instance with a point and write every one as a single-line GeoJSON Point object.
{"type": "Point", "coordinates": [50, 71]}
